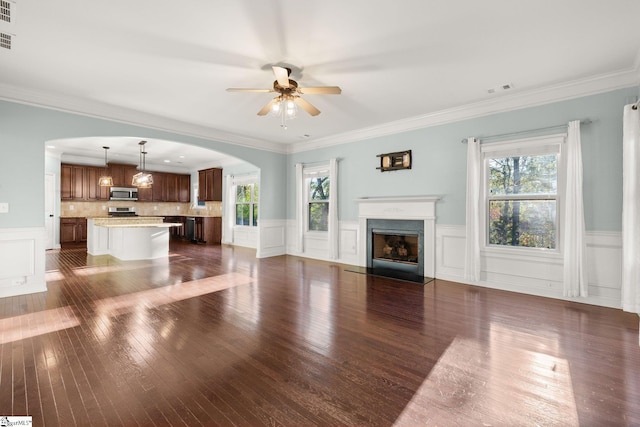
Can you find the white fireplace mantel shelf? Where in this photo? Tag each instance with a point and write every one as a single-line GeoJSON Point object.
{"type": "Point", "coordinates": [409, 207]}
{"type": "Point", "coordinates": [406, 199]}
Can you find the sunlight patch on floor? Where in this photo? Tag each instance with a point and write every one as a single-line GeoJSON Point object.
{"type": "Point", "coordinates": [43, 322]}
{"type": "Point", "coordinates": [53, 276]}
{"type": "Point", "coordinates": [156, 297]}
{"type": "Point", "coordinates": [33, 324]}
{"type": "Point", "coordinates": [518, 378]}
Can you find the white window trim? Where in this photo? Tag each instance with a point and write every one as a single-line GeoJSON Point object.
{"type": "Point", "coordinates": [548, 144]}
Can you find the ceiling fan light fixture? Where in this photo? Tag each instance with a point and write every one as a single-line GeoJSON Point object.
{"type": "Point", "coordinates": [275, 108]}
{"type": "Point", "coordinates": [286, 104]}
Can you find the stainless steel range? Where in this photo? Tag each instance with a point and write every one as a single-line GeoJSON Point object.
{"type": "Point", "coordinates": [118, 211]}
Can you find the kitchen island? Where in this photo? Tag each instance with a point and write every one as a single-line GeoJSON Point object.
{"type": "Point", "coordinates": [130, 238]}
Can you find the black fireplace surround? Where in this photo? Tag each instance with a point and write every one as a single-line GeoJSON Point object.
{"type": "Point", "coordinates": [395, 248]}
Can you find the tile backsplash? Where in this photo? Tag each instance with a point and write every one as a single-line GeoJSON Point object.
{"type": "Point", "coordinates": [96, 209]}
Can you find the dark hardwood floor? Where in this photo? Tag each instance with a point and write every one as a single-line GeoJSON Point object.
{"type": "Point", "coordinates": [212, 336]}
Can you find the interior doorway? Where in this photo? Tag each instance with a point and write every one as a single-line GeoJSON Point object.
{"type": "Point", "coordinates": [49, 210]}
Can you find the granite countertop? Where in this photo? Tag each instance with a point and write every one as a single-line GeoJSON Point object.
{"type": "Point", "coordinates": [127, 221]}
{"type": "Point", "coordinates": [142, 225]}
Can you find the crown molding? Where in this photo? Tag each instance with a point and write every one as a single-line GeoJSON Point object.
{"type": "Point", "coordinates": [130, 117]}
{"type": "Point", "coordinates": [525, 99]}
{"type": "Point", "coordinates": [517, 100]}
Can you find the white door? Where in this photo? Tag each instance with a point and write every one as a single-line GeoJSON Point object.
{"type": "Point", "coordinates": [49, 209]}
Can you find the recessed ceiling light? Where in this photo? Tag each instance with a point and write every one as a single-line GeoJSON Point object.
{"type": "Point", "coordinates": [51, 146]}
{"type": "Point", "coordinates": [182, 157]}
{"type": "Point", "coordinates": [167, 161]}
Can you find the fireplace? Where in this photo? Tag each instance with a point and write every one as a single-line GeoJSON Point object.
{"type": "Point", "coordinates": [396, 245]}
{"type": "Point", "coordinates": [397, 236]}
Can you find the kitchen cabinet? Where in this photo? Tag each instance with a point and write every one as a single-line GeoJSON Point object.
{"type": "Point", "coordinates": [122, 174]}
{"type": "Point", "coordinates": [208, 230]}
{"type": "Point", "coordinates": [72, 182]}
{"type": "Point", "coordinates": [184, 188]}
{"type": "Point", "coordinates": [171, 187]}
{"type": "Point", "coordinates": [79, 182]}
{"type": "Point", "coordinates": [93, 190]}
{"type": "Point", "coordinates": [210, 185]}
{"type": "Point", "coordinates": [159, 187]}
{"type": "Point", "coordinates": [146, 194]}
{"type": "Point", "coordinates": [73, 230]}
{"type": "Point", "coordinates": [177, 187]}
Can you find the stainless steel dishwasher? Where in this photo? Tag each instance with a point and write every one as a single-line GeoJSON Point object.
{"type": "Point", "coordinates": [190, 230]}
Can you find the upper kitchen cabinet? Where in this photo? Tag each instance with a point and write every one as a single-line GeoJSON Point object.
{"type": "Point", "coordinates": [79, 182]}
{"type": "Point", "coordinates": [184, 188]}
{"type": "Point", "coordinates": [177, 187]}
{"type": "Point", "coordinates": [122, 174]}
{"type": "Point", "coordinates": [93, 190]}
{"type": "Point", "coordinates": [171, 187]}
{"type": "Point", "coordinates": [72, 182]}
{"type": "Point", "coordinates": [210, 185]}
{"type": "Point", "coordinates": [159, 187]}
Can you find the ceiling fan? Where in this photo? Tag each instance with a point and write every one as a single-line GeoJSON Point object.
{"type": "Point", "coordinates": [289, 95]}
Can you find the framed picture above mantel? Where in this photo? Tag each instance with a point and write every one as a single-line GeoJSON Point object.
{"type": "Point", "coordinates": [395, 161]}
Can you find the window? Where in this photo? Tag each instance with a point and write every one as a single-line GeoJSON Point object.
{"type": "Point", "coordinates": [318, 203]}
{"type": "Point", "coordinates": [522, 199]}
{"type": "Point", "coordinates": [247, 204]}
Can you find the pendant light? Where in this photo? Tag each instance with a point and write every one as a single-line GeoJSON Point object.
{"type": "Point", "coordinates": [142, 179]}
{"type": "Point", "coordinates": [105, 180]}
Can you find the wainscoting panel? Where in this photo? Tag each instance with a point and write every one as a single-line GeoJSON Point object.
{"type": "Point", "coordinates": [245, 236]}
{"type": "Point", "coordinates": [272, 238]}
{"type": "Point", "coordinates": [349, 242]}
{"type": "Point", "coordinates": [22, 263]}
{"type": "Point", "coordinates": [450, 252]}
{"type": "Point", "coordinates": [316, 247]}
{"type": "Point", "coordinates": [535, 274]}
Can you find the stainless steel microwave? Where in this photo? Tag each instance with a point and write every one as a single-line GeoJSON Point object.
{"type": "Point", "coordinates": [123, 193]}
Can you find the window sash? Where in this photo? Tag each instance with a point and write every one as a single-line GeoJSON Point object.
{"type": "Point", "coordinates": [322, 220]}
{"type": "Point", "coordinates": [250, 206]}
{"type": "Point", "coordinates": [523, 148]}
{"type": "Point", "coordinates": [319, 224]}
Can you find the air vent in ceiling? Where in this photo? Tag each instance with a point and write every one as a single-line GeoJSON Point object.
{"type": "Point", "coordinates": [5, 41]}
{"type": "Point", "coordinates": [500, 88]}
{"type": "Point", "coordinates": [6, 11]}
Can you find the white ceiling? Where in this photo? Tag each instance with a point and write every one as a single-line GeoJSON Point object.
{"type": "Point", "coordinates": [167, 64]}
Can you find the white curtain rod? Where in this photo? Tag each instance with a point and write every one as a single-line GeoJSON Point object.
{"type": "Point", "coordinates": [548, 128]}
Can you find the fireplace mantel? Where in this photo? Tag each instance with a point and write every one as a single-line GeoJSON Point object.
{"type": "Point", "coordinates": [410, 207]}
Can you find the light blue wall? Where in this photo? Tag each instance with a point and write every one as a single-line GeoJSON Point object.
{"type": "Point", "coordinates": [24, 130]}
{"type": "Point", "coordinates": [439, 159]}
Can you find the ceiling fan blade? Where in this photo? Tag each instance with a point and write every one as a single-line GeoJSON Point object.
{"type": "Point", "coordinates": [235, 89]}
{"type": "Point", "coordinates": [321, 90]}
{"type": "Point", "coordinates": [282, 76]}
{"type": "Point", "coordinates": [306, 106]}
{"type": "Point", "coordinates": [265, 110]}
